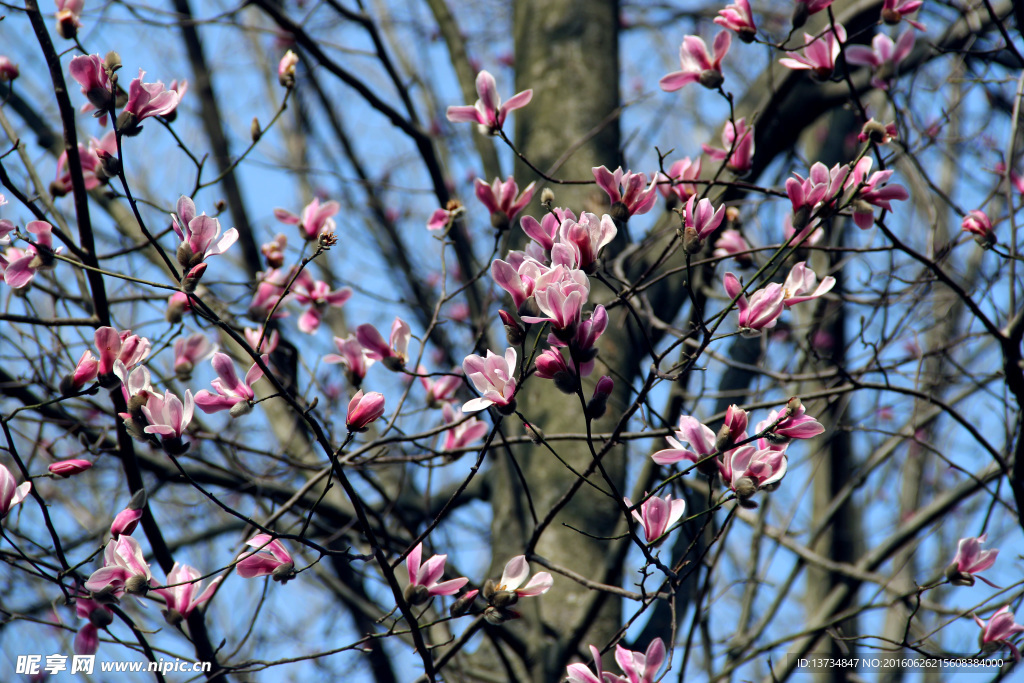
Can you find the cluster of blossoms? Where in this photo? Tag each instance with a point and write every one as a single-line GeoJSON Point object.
{"type": "Point", "coordinates": [745, 465]}
{"type": "Point", "coordinates": [637, 667]}
{"type": "Point", "coordinates": [762, 310]}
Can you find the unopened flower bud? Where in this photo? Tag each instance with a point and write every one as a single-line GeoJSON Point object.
{"type": "Point", "coordinates": [67, 25]}
{"type": "Point", "coordinates": [416, 595]}
{"type": "Point", "coordinates": [497, 617]}
{"type": "Point", "coordinates": [504, 599]}
{"type": "Point", "coordinates": [220, 205]}
{"type": "Point", "coordinates": [711, 79]}
{"type": "Point", "coordinates": [793, 406]}
{"type": "Point", "coordinates": [745, 487]}
{"type": "Point", "coordinates": [462, 605]}
{"type": "Point", "coordinates": [173, 617]}
{"type": "Point", "coordinates": [254, 129]}
{"type": "Point", "coordinates": [112, 62]}
{"type": "Point", "coordinates": [723, 439]}
{"type": "Point", "coordinates": [535, 433]}
{"type": "Point", "coordinates": [875, 131]}
{"type": "Point", "coordinates": [514, 332]}
{"type": "Point", "coordinates": [190, 280]}
{"type": "Point", "coordinates": [110, 165]}
{"type": "Point", "coordinates": [489, 588]}
{"type": "Point", "coordinates": [138, 500]}
{"type": "Point", "coordinates": [128, 124]}
{"type": "Point", "coordinates": [177, 304]}
{"type": "Point", "coordinates": [800, 15]}
{"type": "Point", "coordinates": [598, 404]}
{"type": "Point", "coordinates": [136, 585]}
{"type": "Point", "coordinates": [547, 197]}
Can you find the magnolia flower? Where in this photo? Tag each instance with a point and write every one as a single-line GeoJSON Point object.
{"type": "Point", "coordinates": [598, 403]}
{"type": "Point", "coordinates": [89, 72]}
{"type": "Point", "coordinates": [190, 350]}
{"type": "Point", "coordinates": [697, 65]}
{"type": "Point", "coordinates": [270, 292]}
{"type": "Point", "coordinates": [182, 594]}
{"type": "Point", "coordinates": [970, 560]}
{"type": "Point", "coordinates": [629, 192]}
{"type": "Point", "coordinates": [113, 346]}
{"type": "Point", "coordinates": [200, 235]}
{"type": "Point", "coordinates": [87, 640]}
{"type": "Point", "coordinates": [641, 668]}
{"type": "Point", "coordinates": [699, 220]}
{"type": "Point", "coordinates": [462, 434]}
{"type": "Point", "coordinates": [270, 559]}
{"type": "Point", "coordinates": [126, 520]}
{"type": "Point", "coordinates": [560, 294]}
{"type": "Point", "coordinates": [748, 469]}
{"type": "Point", "coordinates": [441, 390]}
{"type": "Point", "coordinates": [423, 577]}
{"type": "Point", "coordinates": [869, 191]}
{"type": "Point", "coordinates": [8, 69]}
{"type": "Point", "coordinates": [363, 410]}
{"type": "Point", "coordinates": [317, 295]}
{"type": "Point", "coordinates": [551, 365]}
{"type": "Point", "coordinates": [124, 569]}
{"type": "Point", "coordinates": [678, 185]}
{"type": "Point", "coordinates": [269, 340]}
{"type": "Point", "coordinates": [657, 515]}
{"type": "Point", "coordinates": [10, 493]}
{"type": "Point", "coordinates": [980, 225]}
{"type": "Point", "coordinates": [19, 272]}
{"type": "Point", "coordinates": [145, 100]}
{"type": "Point", "coordinates": [544, 233]}
{"type": "Point", "coordinates": [699, 437]}
{"type": "Point", "coordinates": [796, 424]}
{"type": "Point", "coordinates": [316, 218]}
{"type": "Point", "coordinates": [87, 369]}
{"type": "Point", "coordinates": [586, 237]}
{"type": "Point", "coordinates": [800, 285]}
{"type": "Point", "coordinates": [738, 143]}
{"type": "Point", "coordinates": [731, 243]}
{"type": "Point", "coordinates": [488, 112]}
{"type": "Point", "coordinates": [98, 163]}
{"type": "Point", "coordinates": [503, 200]}
{"type": "Point", "coordinates": [232, 394]}
{"type": "Point", "coordinates": [513, 579]}
{"type": "Point", "coordinates": [68, 14]}
{"type": "Point", "coordinates": [353, 355]}
{"type": "Point", "coordinates": [393, 354]}
{"type": "Point", "coordinates": [493, 377]}
{"type": "Point", "coordinates": [761, 311]}
{"type": "Point", "coordinates": [819, 54]}
{"type": "Point", "coordinates": [739, 18]}
{"type": "Point", "coordinates": [168, 416]}
{"type": "Point", "coordinates": [998, 631]}
{"type": "Point", "coordinates": [69, 468]}
{"type": "Point", "coordinates": [286, 69]}
{"type": "Point", "coordinates": [884, 56]}
{"type": "Point", "coordinates": [273, 250]}
{"type": "Point", "coordinates": [893, 11]}
{"type": "Point", "coordinates": [518, 282]}
{"type": "Point", "coordinates": [822, 186]}
{"type": "Point", "coordinates": [579, 673]}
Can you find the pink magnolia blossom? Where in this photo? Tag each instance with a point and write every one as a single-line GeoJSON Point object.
{"type": "Point", "coordinates": [657, 515]}
{"type": "Point", "coordinates": [697, 65]}
{"type": "Point", "coordinates": [124, 569]}
{"type": "Point", "coordinates": [821, 187]}
{"type": "Point", "coordinates": [200, 235]}
{"type": "Point", "coordinates": [87, 640]}
{"type": "Point", "coordinates": [819, 54]}
{"type": "Point", "coordinates": [135, 384]}
{"type": "Point", "coordinates": [699, 220]}
{"type": "Point", "coordinates": [869, 191]}
{"type": "Point", "coordinates": [583, 342]}
{"type": "Point", "coordinates": [423, 577]}
{"type": "Point", "coordinates": [629, 192]}
{"type": "Point", "coordinates": [678, 185]}
{"type": "Point", "coordinates": [11, 493]}
{"type": "Point", "coordinates": [363, 410]}
{"type": "Point", "coordinates": [970, 560]}
{"type": "Point", "coordinates": [488, 112]}
{"type": "Point", "coordinates": [503, 200]}
{"type": "Point", "coordinates": [513, 579]}
{"type": "Point", "coordinates": [998, 631]}
{"type": "Point", "coordinates": [353, 355]}
{"type": "Point", "coordinates": [519, 281]}
{"type": "Point", "coordinates": [177, 305]}
{"type": "Point", "coordinates": [560, 294]}
{"type": "Point", "coordinates": [168, 416]}
{"type": "Point", "coordinates": [795, 424]}
{"type": "Point", "coordinates": [748, 469]}
{"type": "Point", "coordinates": [544, 233]}
{"type": "Point", "coordinates": [191, 350]}
{"type": "Point", "coordinates": [802, 285]}
{"type": "Point", "coordinates": [316, 218]}
{"type": "Point", "coordinates": [68, 14]}
{"type": "Point", "coordinates": [145, 100]}
{"type": "Point", "coordinates": [738, 143]}
{"type": "Point", "coordinates": [89, 72]}
{"type": "Point", "coordinates": [893, 11]}
{"type": "Point", "coordinates": [113, 346]}
{"type": "Point", "coordinates": [441, 218]}
{"type": "Point", "coordinates": [94, 161]}
{"type": "Point", "coordinates": [8, 69]}
{"type": "Point", "coordinates": [269, 343]}
{"type": "Point", "coordinates": [270, 559]}
{"type": "Point", "coordinates": [494, 378]}
{"type": "Point", "coordinates": [126, 521]}
{"type": "Point", "coordinates": [761, 311]}
{"type": "Point", "coordinates": [182, 595]}
{"type": "Point", "coordinates": [878, 133]}
{"type": "Point", "coordinates": [641, 668]}
{"type": "Point", "coordinates": [36, 257]}
{"type": "Point", "coordinates": [87, 369]}
{"type": "Point", "coordinates": [698, 436]}
{"type": "Point", "coordinates": [317, 295]}
{"type": "Point", "coordinates": [286, 69]}
{"type": "Point", "coordinates": [270, 293]}
{"type": "Point", "coordinates": [884, 56]}
{"type": "Point", "coordinates": [232, 393]}
{"type": "Point", "coordinates": [579, 673]}
{"type": "Point", "coordinates": [738, 18]}
{"type": "Point", "coordinates": [69, 468]}
{"type": "Point", "coordinates": [273, 250]}
{"type": "Point", "coordinates": [395, 352]}
{"type": "Point", "coordinates": [810, 235]}
{"type": "Point", "coordinates": [462, 434]}
{"type": "Point", "coordinates": [980, 225]}
{"type": "Point", "coordinates": [731, 243]}
{"type": "Point", "coordinates": [598, 403]}
{"type": "Point", "coordinates": [551, 365]}
{"type": "Point", "coordinates": [442, 390]}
